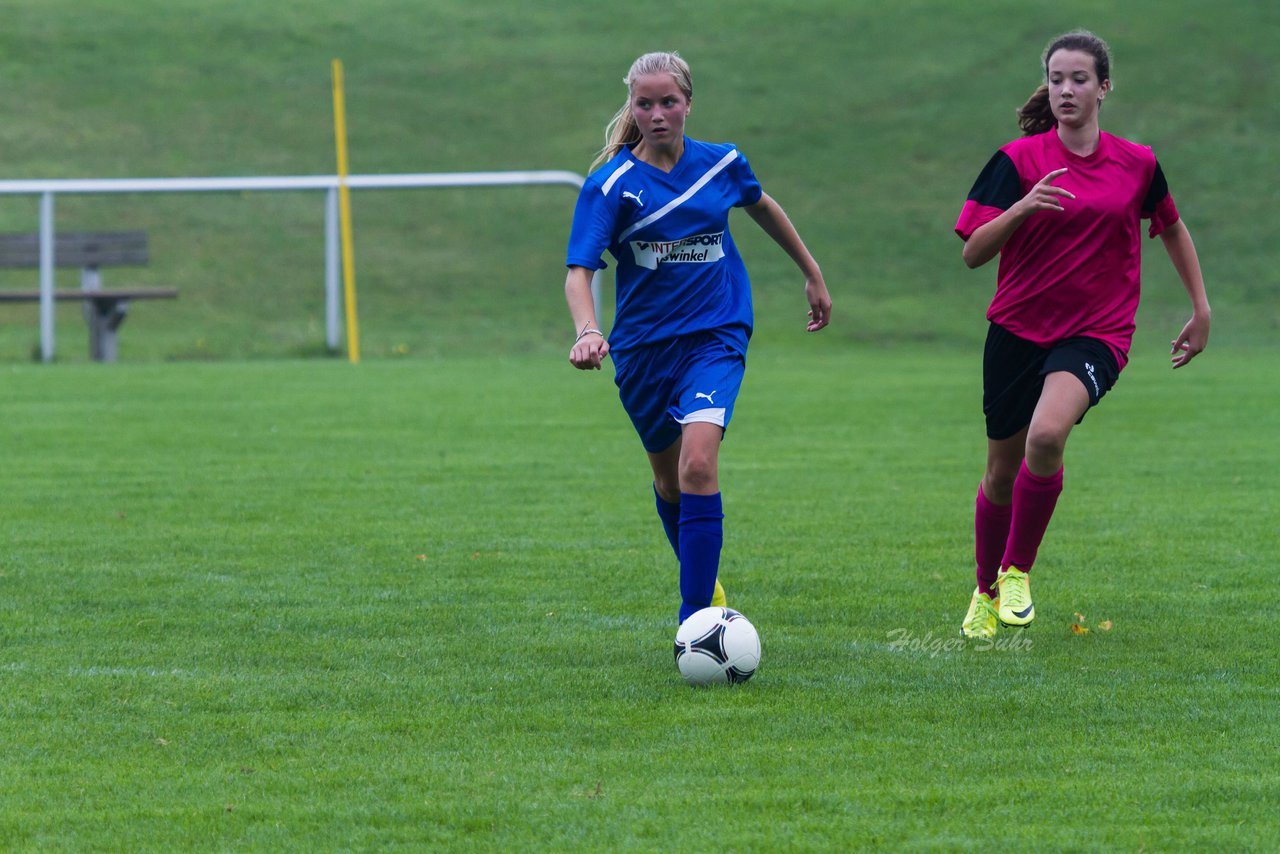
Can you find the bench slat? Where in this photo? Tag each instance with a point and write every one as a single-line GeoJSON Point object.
{"type": "Point", "coordinates": [77, 249]}
{"type": "Point", "coordinates": [104, 294]}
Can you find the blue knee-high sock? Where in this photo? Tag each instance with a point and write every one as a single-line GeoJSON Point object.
{"type": "Point", "coordinates": [670, 515]}
{"type": "Point", "coordinates": [701, 535]}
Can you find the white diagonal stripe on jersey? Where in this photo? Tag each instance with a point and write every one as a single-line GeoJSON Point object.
{"type": "Point", "coordinates": [683, 197]}
{"type": "Point", "coordinates": [617, 173]}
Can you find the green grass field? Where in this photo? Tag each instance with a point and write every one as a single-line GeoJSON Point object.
{"type": "Point", "coordinates": [410, 605]}
{"type": "Point", "coordinates": [252, 598]}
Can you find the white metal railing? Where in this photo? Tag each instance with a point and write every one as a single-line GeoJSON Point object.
{"type": "Point", "coordinates": [48, 189]}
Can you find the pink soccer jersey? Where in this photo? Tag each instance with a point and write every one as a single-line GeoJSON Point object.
{"type": "Point", "coordinates": [1077, 271]}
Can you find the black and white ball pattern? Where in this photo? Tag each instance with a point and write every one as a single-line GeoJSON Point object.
{"type": "Point", "coordinates": [717, 646]}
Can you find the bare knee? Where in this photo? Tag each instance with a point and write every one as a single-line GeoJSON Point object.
{"type": "Point", "coordinates": [698, 473]}
{"type": "Point", "coordinates": [997, 484]}
{"type": "Point", "coordinates": [668, 488]}
{"type": "Point", "coordinates": [1045, 447]}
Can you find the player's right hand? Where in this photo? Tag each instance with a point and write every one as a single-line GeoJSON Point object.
{"type": "Point", "coordinates": [1044, 196]}
{"type": "Point", "coordinates": [588, 353]}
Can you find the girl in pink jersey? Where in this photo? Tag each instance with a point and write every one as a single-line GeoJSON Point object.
{"type": "Point", "coordinates": [1062, 207]}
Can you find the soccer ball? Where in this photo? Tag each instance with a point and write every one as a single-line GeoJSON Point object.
{"type": "Point", "coordinates": [715, 646]}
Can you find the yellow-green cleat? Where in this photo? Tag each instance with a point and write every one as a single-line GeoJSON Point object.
{"type": "Point", "coordinates": [717, 597]}
{"type": "Point", "coordinates": [982, 621]}
{"type": "Point", "coordinates": [1016, 608]}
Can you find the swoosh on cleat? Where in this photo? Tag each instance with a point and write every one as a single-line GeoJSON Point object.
{"type": "Point", "coordinates": [1024, 611]}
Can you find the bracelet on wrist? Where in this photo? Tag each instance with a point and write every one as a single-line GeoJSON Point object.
{"type": "Point", "coordinates": [588, 331]}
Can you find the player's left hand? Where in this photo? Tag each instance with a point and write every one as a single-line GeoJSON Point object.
{"type": "Point", "coordinates": [815, 291]}
{"type": "Point", "coordinates": [1194, 337]}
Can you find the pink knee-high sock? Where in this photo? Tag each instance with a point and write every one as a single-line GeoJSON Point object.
{"type": "Point", "coordinates": [991, 533]}
{"type": "Point", "coordinates": [1034, 498]}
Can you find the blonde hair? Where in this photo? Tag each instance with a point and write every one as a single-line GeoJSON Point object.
{"type": "Point", "coordinates": [621, 130]}
{"type": "Point", "coordinates": [1036, 115]}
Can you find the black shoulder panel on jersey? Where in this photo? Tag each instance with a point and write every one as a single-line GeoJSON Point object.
{"type": "Point", "coordinates": [999, 185]}
{"type": "Point", "coordinates": [1156, 192]}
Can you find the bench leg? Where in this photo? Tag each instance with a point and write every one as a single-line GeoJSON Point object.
{"type": "Point", "coordinates": [104, 317]}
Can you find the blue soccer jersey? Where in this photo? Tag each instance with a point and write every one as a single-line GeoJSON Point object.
{"type": "Point", "coordinates": [677, 268]}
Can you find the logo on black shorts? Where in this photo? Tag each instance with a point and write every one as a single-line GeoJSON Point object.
{"type": "Point", "coordinates": [1097, 389]}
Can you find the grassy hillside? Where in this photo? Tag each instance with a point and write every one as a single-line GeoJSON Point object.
{"type": "Point", "coordinates": [867, 120]}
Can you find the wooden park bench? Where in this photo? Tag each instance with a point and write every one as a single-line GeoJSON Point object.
{"type": "Point", "coordinates": [104, 308]}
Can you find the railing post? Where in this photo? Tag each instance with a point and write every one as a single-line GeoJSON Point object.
{"type": "Point", "coordinates": [46, 276]}
{"type": "Point", "coordinates": [332, 323]}
{"type": "Point", "coordinates": [595, 298]}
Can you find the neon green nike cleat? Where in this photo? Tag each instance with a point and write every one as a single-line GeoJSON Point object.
{"type": "Point", "coordinates": [982, 619]}
{"type": "Point", "coordinates": [1016, 607]}
{"type": "Point", "coordinates": [717, 597]}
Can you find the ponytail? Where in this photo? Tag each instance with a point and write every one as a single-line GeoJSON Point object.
{"type": "Point", "coordinates": [1036, 116]}
{"type": "Point", "coordinates": [621, 132]}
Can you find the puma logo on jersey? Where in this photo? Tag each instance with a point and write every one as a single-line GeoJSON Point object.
{"type": "Point", "coordinates": [635, 197]}
{"type": "Point", "coordinates": [698, 394]}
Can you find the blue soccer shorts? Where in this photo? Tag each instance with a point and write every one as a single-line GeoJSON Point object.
{"type": "Point", "coordinates": [685, 380]}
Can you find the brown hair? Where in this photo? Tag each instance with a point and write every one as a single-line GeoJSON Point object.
{"type": "Point", "coordinates": [1036, 116]}
{"type": "Point", "coordinates": [621, 130]}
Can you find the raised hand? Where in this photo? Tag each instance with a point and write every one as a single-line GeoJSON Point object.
{"type": "Point", "coordinates": [1044, 196]}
